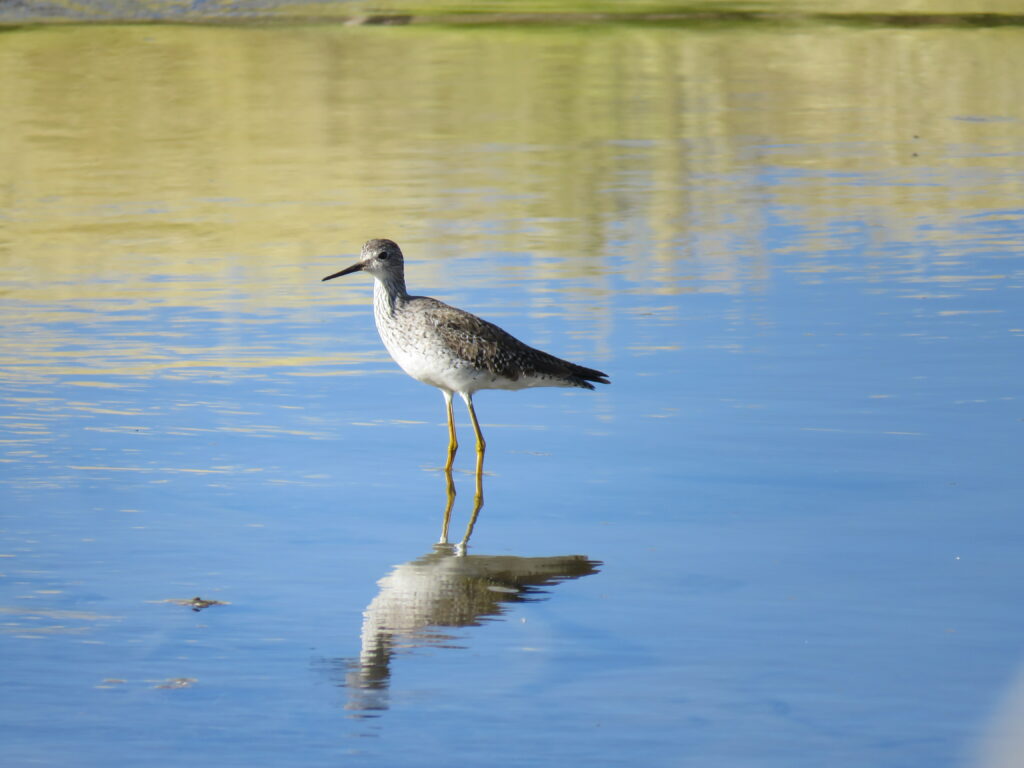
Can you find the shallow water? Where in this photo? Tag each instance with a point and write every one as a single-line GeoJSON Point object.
{"type": "Point", "coordinates": [787, 534]}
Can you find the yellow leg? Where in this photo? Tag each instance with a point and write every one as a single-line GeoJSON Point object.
{"type": "Point", "coordinates": [480, 443]}
{"type": "Point", "coordinates": [453, 442]}
{"type": "Point", "coordinates": [478, 501]}
{"type": "Point", "coordinates": [450, 487]}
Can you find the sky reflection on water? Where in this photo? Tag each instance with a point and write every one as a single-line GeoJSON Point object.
{"type": "Point", "coordinates": [802, 486]}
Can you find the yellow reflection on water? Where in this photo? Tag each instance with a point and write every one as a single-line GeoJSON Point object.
{"type": "Point", "coordinates": [227, 169]}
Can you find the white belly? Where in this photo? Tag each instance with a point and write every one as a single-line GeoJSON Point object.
{"type": "Point", "coordinates": [436, 366]}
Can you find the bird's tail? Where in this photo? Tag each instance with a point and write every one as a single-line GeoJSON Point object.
{"type": "Point", "coordinates": [581, 376]}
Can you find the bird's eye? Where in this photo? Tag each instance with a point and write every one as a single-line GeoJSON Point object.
{"type": "Point", "coordinates": [383, 255]}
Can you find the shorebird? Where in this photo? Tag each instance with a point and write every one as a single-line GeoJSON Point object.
{"type": "Point", "coordinates": [450, 348]}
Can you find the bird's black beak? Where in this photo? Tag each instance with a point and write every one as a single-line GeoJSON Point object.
{"type": "Point", "coordinates": [346, 271]}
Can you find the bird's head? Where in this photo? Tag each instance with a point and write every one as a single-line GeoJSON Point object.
{"type": "Point", "coordinates": [381, 258]}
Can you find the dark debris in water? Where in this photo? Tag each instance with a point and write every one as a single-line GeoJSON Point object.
{"type": "Point", "coordinates": [195, 603]}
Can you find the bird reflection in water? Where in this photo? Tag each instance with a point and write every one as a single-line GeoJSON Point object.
{"type": "Point", "coordinates": [444, 588]}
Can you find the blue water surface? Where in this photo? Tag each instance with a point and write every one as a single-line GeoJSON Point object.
{"type": "Point", "coordinates": [787, 534]}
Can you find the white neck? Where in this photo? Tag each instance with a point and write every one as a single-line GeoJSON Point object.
{"type": "Point", "coordinates": [388, 294]}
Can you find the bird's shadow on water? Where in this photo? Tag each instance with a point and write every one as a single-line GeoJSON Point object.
{"type": "Point", "coordinates": [445, 588]}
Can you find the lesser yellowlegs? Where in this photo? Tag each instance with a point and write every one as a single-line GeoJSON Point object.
{"type": "Point", "coordinates": [454, 350]}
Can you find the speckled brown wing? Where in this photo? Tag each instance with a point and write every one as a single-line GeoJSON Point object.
{"type": "Point", "coordinates": [488, 347]}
